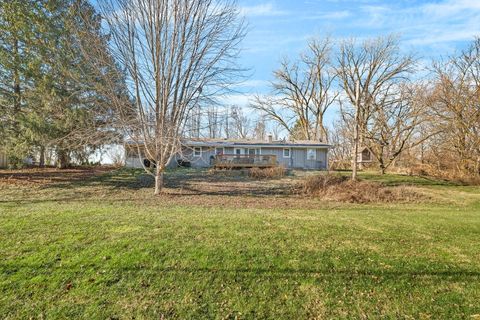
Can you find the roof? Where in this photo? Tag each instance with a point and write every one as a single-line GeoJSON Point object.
{"type": "Point", "coordinates": [252, 143]}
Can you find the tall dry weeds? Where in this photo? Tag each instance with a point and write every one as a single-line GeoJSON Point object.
{"type": "Point", "coordinates": [340, 188]}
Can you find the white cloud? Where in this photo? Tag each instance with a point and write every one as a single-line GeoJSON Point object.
{"type": "Point", "coordinates": [332, 15]}
{"type": "Point", "coordinates": [240, 100]}
{"type": "Point", "coordinates": [430, 24]}
{"type": "Point", "coordinates": [450, 8]}
{"type": "Point", "coordinates": [264, 9]}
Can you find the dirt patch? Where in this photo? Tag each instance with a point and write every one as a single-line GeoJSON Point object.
{"type": "Point", "coordinates": [341, 189]}
{"type": "Point", "coordinates": [46, 176]}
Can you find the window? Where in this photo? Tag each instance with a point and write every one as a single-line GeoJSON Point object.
{"type": "Point", "coordinates": [219, 151]}
{"type": "Point", "coordinates": [311, 154]}
{"type": "Point", "coordinates": [366, 155]}
{"type": "Point", "coordinates": [286, 153]}
{"type": "Point", "coordinates": [197, 151]}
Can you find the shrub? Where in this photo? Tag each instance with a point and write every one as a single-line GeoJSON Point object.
{"type": "Point", "coordinates": [267, 173]}
{"type": "Point", "coordinates": [340, 188]}
{"type": "Point", "coordinates": [315, 184]}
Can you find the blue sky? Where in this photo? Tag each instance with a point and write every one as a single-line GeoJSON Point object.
{"type": "Point", "coordinates": [280, 28]}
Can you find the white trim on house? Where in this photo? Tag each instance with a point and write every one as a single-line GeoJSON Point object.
{"type": "Point", "coordinates": [289, 152]}
{"type": "Point", "coordinates": [246, 150]}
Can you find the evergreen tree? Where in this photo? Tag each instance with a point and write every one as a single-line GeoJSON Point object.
{"type": "Point", "coordinates": [52, 97]}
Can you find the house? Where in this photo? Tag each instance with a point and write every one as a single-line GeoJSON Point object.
{"type": "Point", "coordinates": [228, 153]}
{"type": "Point", "coordinates": [365, 155]}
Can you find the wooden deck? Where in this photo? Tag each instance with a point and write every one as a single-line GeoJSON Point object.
{"type": "Point", "coordinates": [237, 161]}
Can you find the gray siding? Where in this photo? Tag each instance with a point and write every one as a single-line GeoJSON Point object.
{"type": "Point", "coordinates": [297, 160]}
{"type": "Point", "coordinates": [298, 157]}
{"type": "Point", "coordinates": [300, 160]}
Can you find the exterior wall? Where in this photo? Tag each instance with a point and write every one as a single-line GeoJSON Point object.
{"type": "Point", "coordinates": [285, 162]}
{"type": "Point", "coordinates": [132, 160]}
{"type": "Point", "coordinates": [202, 161]}
{"type": "Point", "coordinates": [297, 160]}
{"type": "Point", "coordinates": [300, 160]}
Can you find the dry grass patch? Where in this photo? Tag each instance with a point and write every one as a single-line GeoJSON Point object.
{"type": "Point", "coordinates": [49, 175]}
{"type": "Point", "coordinates": [341, 188]}
{"type": "Point", "coordinates": [267, 173]}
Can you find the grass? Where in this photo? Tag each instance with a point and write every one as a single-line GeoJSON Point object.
{"type": "Point", "coordinates": [217, 247]}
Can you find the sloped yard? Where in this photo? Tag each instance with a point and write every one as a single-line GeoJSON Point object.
{"type": "Point", "coordinates": [225, 247]}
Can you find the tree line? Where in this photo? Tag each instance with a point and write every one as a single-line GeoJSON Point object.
{"type": "Point", "coordinates": [407, 115]}
{"type": "Point", "coordinates": [75, 77]}
{"type": "Point", "coordinates": [50, 103]}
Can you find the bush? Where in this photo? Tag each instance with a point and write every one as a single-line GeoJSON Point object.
{"type": "Point", "coordinates": [340, 188]}
{"type": "Point", "coordinates": [267, 173]}
{"type": "Point", "coordinates": [316, 184]}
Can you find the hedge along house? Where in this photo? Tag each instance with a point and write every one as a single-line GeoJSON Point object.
{"type": "Point", "coordinates": [227, 153]}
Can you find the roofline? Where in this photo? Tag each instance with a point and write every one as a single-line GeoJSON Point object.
{"type": "Point", "coordinates": [246, 144]}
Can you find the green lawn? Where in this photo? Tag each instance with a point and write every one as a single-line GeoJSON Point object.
{"type": "Point", "coordinates": [105, 248]}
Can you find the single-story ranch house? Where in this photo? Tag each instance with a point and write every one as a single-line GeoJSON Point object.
{"type": "Point", "coordinates": [228, 153]}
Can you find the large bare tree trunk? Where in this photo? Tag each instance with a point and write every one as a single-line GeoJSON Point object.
{"type": "Point", "coordinates": [42, 157]}
{"type": "Point", "coordinates": [158, 181]}
{"type": "Point", "coordinates": [62, 159]}
{"type": "Point", "coordinates": [356, 132]}
{"type": "Point", "coordinates": [355, 153]}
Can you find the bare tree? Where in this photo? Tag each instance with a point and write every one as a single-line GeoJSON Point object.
{"type": "Point", "coordinates": [302, 92]}
{"type": "Point", "coordinates": [456, 109]}
{"type": "Point", "coordinates": [368, 74]}
{"type": "Point", "coordinates": [240, 123]}
{"type": "Point", "coordinates": [260, 129]}
{"type": "Point", "coordinates": [177, 54]}
{"type": "Point", "coordinates": [341, 140]}
{"type": "Point", "coordinates": [394, 122]}
{"type": "Point", "coordinates": [213, 124]}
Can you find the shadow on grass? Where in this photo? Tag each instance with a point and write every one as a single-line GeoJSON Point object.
{"type": "Point", "coordinates": [267, 272]}
{"type": "Point", "coordinates": [191, 181]}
